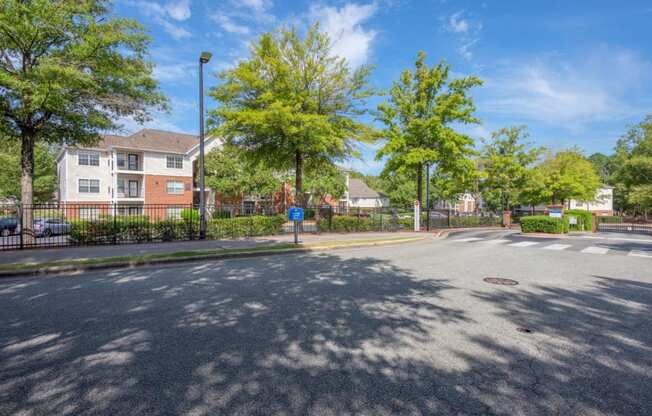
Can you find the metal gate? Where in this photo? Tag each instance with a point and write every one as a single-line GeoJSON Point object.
{"type": "Point", "coordinates": [620, 225]}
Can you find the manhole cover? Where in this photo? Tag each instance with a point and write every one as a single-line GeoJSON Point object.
{"type": "Point", "coordinates": [500, 281]}
{"type": "Point", "coordinates": [523, 329]}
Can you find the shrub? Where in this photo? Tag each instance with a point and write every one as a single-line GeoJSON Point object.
{"type": "Point", "coordinates": [189, 214]}
{"type": "Point", "coordinates": [255, 225]}
{"type": "Point", "coordinates": [345, 223]}
{"type": "Point", "coordinates": [610, 219]}
{"type": "Point", "coordinates": [584, 219]}
{"type": "Point", "coordinates": [309, 214]}
{"type": "Point", "coordinates": [544, 224]}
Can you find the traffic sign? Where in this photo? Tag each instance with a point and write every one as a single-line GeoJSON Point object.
{"type": "Point", "coordinates": [295, 214]}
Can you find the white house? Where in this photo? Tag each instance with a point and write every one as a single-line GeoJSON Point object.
{"type": "Point", "coordinates": [602, 205]}
{"type": "Point", "coordinates": [359, 195]}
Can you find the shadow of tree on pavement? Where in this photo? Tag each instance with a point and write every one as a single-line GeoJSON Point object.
{"type": "Point", "coordinates": [314, 334]}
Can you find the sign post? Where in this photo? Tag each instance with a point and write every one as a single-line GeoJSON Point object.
{"type": "Point", "coordinates": [295, 214]}
{"type": "Point", "coordinates": [417, 216]}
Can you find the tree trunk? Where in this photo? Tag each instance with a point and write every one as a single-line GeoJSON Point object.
{"type": "Point", "coordinates": [298, 178]}
{"type": "Point", "coordinates": [27, 187]}
{"type": "Point", "coordinates": [420, 184]}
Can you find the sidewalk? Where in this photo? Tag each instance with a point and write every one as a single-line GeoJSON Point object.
{"type": "Point", "coordinates": [39, 255]}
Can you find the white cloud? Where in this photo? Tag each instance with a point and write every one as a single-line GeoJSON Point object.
{"type": "Point", "coordinates": [178, 10]}
{"type": "Point", "coordinates": [174, 71]}
{"type": "Point", "coordinates": [344, 27]}
{"type": "Point", "coordinates": [457, 24]}
{"type": "Point", "coordinates": [229, 25]}
{"type": "Point", "coordinates": [467, 32]}
{"type": "Point", "coordinates": [591, 88]}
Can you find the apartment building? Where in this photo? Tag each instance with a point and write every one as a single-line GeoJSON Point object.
{"type": "Point", "coordinates": [125, 173]}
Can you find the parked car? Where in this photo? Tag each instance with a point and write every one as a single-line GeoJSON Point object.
{"type": "Point", "coordinates": [8, 226]}
{"type": "Point", "coordinates": [46, 227]}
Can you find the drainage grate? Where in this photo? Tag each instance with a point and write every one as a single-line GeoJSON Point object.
{"type": "Point", "coordinates": [500, 281]}
{"type": "Point", "coordinates": [524, 330]}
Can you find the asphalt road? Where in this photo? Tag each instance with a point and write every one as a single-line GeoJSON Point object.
{"type": "Point", "coordinates": [406, 329]}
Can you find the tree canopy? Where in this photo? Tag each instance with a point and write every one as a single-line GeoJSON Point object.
{"type": "Point", "coordinates": [569, 175]}
{"type": "Point", "coordinates": [45, 172]}
{"type": "Point", "coordinates": [507, 159]}
{"type": "Point", "coordinates": [69, 69]}
{"type": "Point", "coordinates": [292, 103]}
{"type": "Point", "coordinates": [233, 176]}
{"type": "Point", "coordinates": [418, 116]}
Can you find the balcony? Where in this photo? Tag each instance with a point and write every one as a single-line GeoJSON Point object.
{"type": "Point", "coordinates": [129, 162]}
{"type": "Point", "coordinates": [130, 188]}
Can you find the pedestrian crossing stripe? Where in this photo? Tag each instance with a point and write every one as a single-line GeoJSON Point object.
{"type": "Point", "coordinates": [595, 250]}
{"type": "Point", "coordinates": [524, 244]}
{"type": "Point", "coordinates": [468, 240]}
{"type": "Point", "coordinates": [639, 253]}
{"type": "Point", "coordinates": [497, 241]}
{"type": "Point", "coordinates": [556, 247]}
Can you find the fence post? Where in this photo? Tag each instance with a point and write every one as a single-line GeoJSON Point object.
{"type": "Point", "coordinates": [330, 217]}
{"type": "Point", "coordinates": [21, 214]}
{"type": "Point", "coordinates": [449, 218]}
{"type": "Point", "coordinates": [381, 218]}
{"type": "Point", "coordinates": [428, 219]}
{"type": "Point", "coordinates": [115, 224]}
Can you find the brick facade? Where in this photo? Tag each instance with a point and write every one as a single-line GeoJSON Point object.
{"type": "Point", "coordinates": [156, 190]}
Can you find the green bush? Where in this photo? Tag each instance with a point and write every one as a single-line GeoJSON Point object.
{"type": "Point", "coordinates": [255, 225]}
{"type": "Point", "coordinates": [584, 219]}
{"type": "Point", "coordinates": [189, 214]}
{"type": "Point", "coordinates": [309, 214]}
{"type": "Point", "coordinates": [610, 219]}
{"type": "Point", "coordinates": [544, 224]}
{"type": "Point", "coordinates": [345, 223]}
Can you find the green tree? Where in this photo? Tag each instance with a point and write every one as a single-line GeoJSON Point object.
{"type": "Point", "coordinates": [507, 159]}
{"type": "Point", "coordinates": [633, 175]}
{"type": "Point", "coordinates": [418, 118]}
{"type": "Point", "coordinates": [293, 103]}
{"type": "Point", "coordinates": [233, 176]}
{"type": "Point", "coordinates": [570, 175]}
{"type": "Point", "coordinates": [45, 172]}
{"type": "Point", "coordinates": [323, 182]}
{"type": "Point", "coordinates": [533, 190]}
{"type": "Point", "coordinates": [68, 69]}
{"type": "Point", "coordinates": [603, 165]}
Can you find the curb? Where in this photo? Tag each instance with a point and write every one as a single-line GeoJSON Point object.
{"type": "Point", "coordinates": [73, 269]}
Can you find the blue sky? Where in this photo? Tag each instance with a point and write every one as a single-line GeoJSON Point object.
{"type": "Point", "coordinates": [576, 73]}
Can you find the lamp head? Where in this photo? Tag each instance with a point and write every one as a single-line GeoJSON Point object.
{"type": "Point", "coordinates": [205, 57]}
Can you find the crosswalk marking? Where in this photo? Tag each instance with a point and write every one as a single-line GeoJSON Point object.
{"type": "Point", "coordinates": [639, 253]}
{"type": "Point", "coordinates": [468, 240]}
{"type": "Point", "coordinates": [556, 247]}
{"type": "Point", "coordinates": [498, 241]}
{"type": "Point", "coordinates": [595, 250]}
{"type": "Point", "coordinates": [524, 244]}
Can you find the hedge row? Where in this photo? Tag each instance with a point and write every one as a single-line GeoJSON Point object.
{"type": "Point", "coordinates": [344, 223]}
{"type": "Point", "coordinates": [139, 229]}
{"type": "Point", "coordinates": [584, 219]}
{"type": "Point", "coordinates": [544, 224]}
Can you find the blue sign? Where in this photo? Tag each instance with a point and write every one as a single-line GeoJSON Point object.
{"type": "Point", "coordinates": [295, 214]}
{"type": "Point", "coordinates": [555, 212]}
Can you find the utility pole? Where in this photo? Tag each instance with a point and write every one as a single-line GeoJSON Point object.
{"type": "Point", "coordinates": [203, 59]}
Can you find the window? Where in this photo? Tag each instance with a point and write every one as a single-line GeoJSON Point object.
{"type": "Point", "coordinates": [174, 213]}
{"type": "Point", "coordinates": [130, 211]}
{"type": "Point", "coordinates": [175, 162]}
{"type": "Point", "coordinates": [133, 189]}
{"type": "Point", "coordinates": [122, 160]}
{"type": "Point", "coordinates": [174, 187]}
{"type": "Point", "coordinates": [121, 186]}
{"type": "Point", "coordinates": [88, 158]}
{"type": "Point", "coordinates": [89, 186]}
{"type": "Point", "coordinates": [89, 213]}
{"type": "Point", "coordinates": [133, 162]}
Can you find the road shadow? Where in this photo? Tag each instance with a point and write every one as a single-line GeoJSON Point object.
{"type": "Point", "coordinates": [314, 334]}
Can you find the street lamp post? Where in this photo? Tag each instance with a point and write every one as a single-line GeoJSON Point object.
{"type": "Point", "coordinates": [203, 59]}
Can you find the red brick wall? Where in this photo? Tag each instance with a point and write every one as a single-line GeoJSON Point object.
{"type": "Point", "coordinates": [156, 193]}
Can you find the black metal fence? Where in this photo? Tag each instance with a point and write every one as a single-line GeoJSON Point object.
{"type": "Point", "coordinates": [623, 225]}
{"type": "Point", "coordinates": [76, 224]}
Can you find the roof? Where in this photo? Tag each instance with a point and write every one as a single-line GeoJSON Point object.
{"type": "Point", "coordinates": [359, 189]}
{"type": "Point", "coordinates": [150, 139]}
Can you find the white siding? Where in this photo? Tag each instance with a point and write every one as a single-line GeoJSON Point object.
{"type": "Point", "coordinates": [74, 172]}
{"type": "Point", "coordinates": [156, 164]}
{"type": "Point", "coordinates": [61, 172]}
{"type": "Point", "coordinates": [368, 202]}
